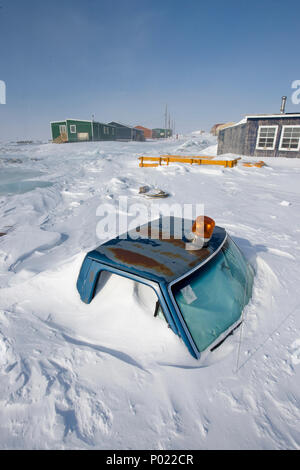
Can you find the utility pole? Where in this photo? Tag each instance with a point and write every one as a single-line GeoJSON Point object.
{"type": "Point", "coordinates": [166, 120]}
{"type": "Point", "coordinates": [93, 117]}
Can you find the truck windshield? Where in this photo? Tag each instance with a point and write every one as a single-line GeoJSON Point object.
{"type": "Point", "coordinates": [212, 298]}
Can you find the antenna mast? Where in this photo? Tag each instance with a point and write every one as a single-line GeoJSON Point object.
{"type": "Point", "coordinates": [166, 120]}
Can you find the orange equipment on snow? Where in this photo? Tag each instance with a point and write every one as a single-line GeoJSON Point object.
{"type": "Point", "coordinates": [256, 164]}
{"type": "Point", "coordinates": [199, 160]}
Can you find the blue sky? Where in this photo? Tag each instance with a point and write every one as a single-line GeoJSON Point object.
{"type": "Point", "coordinates": [125, 59]}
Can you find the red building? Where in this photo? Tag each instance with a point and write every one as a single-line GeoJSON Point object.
{"type": "Point", "coordinates": [147, 132]}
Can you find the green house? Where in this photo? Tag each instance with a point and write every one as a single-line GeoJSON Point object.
{"type": "Point", "coordinates": [159, 133]}
{"type": "Point", "coordinates": [77, 130]}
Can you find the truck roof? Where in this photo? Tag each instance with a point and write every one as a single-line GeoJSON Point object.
{"type": "Point", "coordinates": [159, 254]}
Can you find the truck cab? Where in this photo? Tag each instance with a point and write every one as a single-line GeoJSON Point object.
{"type": "Point", "coordinates": [201, 288]}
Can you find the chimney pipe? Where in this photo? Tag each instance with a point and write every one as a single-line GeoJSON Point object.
{"type": "Point", "coordinates": [283, 103]}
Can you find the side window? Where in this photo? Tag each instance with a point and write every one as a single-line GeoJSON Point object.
{"type": "Point", "coordinates": [108, 283]}
{"type": "Point", "coordinates": [290, 138]}
{"type": "Point", "coordinates": [73, 129]}
{"type": "Point", "coordinates": [266, 137]}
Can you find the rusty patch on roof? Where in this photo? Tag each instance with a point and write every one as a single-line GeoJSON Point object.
{"type": "Point", "coordinates": [200, 255]}
{"type": "Point", "coordinates": [169, 254]}
{"type": "Point", "coordinates": [136, 259]}
{"type": "Point", "coordinates": [177, 242]}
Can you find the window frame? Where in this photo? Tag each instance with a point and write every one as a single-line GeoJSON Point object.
{"type": "Point", "coordinates": [72, 131]}
{"type": "Point", "coordinates": [282, 137]}
{"type": "Point", "coordinates": [258, 137]}
{"type": "Point", "coordinates": [61, 127]}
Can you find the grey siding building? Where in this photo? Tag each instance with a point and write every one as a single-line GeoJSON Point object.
{"type": "Point", "coordinates": [265, 135]}
{"type": "Point", "coordinates": [124, 132]}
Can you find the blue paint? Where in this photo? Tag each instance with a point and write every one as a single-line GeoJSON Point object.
{"type": "Point", "coordinates": [180, 265]}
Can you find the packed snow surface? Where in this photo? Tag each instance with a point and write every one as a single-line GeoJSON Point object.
{"type": "Point", "coordinates": [109, 375]}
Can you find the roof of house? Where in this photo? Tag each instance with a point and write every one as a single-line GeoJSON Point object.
{"type": "Point", "coordinates": [80, 120]}
{"type": "Point", "coordinates": [163, 257]}
{"type": "Point", "coordinates": [142, 127]}
{"type": "Point", "coordinates": [264, 116]}
{"type": "Point", "coordinates": [279, 115]}
{"type": "Point", "coordinates": [119, 124]}
{"type": "Point", "coordinates": [69, 119]}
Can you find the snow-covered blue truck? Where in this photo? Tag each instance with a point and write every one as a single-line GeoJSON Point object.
{"type": "Point", "coordinates": [201, 280]}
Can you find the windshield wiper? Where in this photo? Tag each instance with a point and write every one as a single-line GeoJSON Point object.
{"type": "Point", "coordinates": [229, 334]}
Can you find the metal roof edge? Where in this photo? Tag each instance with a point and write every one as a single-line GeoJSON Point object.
{"type": "Point", "coordinates": [262, 116]}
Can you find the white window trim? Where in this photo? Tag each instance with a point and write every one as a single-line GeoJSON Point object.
{"type": "Point", "coordinates": [64, 131]}
{"type": "Point", "coordinates": [258, 137]}
{"type": "Point", "coordinates": [72, 127]}
{"type": "Point", "coordinates": [281, 139]}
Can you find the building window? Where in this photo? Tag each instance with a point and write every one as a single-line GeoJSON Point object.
{"type": "Point", "coordinates": [266, 138]}
{"type": "Point", "coordinates": [290, 138]}
{"type": "Point", "coordinates": [73, 129]}
{"type": "Point", "coordinates": [112, 131]}
{"type": "Point", "coordinates": [62, 129]}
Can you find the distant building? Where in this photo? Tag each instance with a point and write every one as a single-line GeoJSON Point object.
{"type": "Point", "coordinates": [213, 130]}
{"type": "Point", "coordinates": [263, 135]}
{"type": "Point", "coordinates": [147, 132]}
{"type": "Point", "coordinates": [159, 133]}
{"type": "Point", "coordinates": [217, 127]}
{"type": "Point", "coordinates": [125, 132]}
{"type": "Point", "coordinates": [77, 130]}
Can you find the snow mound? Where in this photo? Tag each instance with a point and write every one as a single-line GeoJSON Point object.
{"type": "Point", "coordinates": [193, 145]}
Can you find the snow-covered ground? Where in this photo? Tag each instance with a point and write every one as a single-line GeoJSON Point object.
{"type": "Point", "coordinates": [109, 375]}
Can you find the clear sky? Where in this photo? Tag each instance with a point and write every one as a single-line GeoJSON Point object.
{"type": "Point", "coordinates": [211, 61]}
